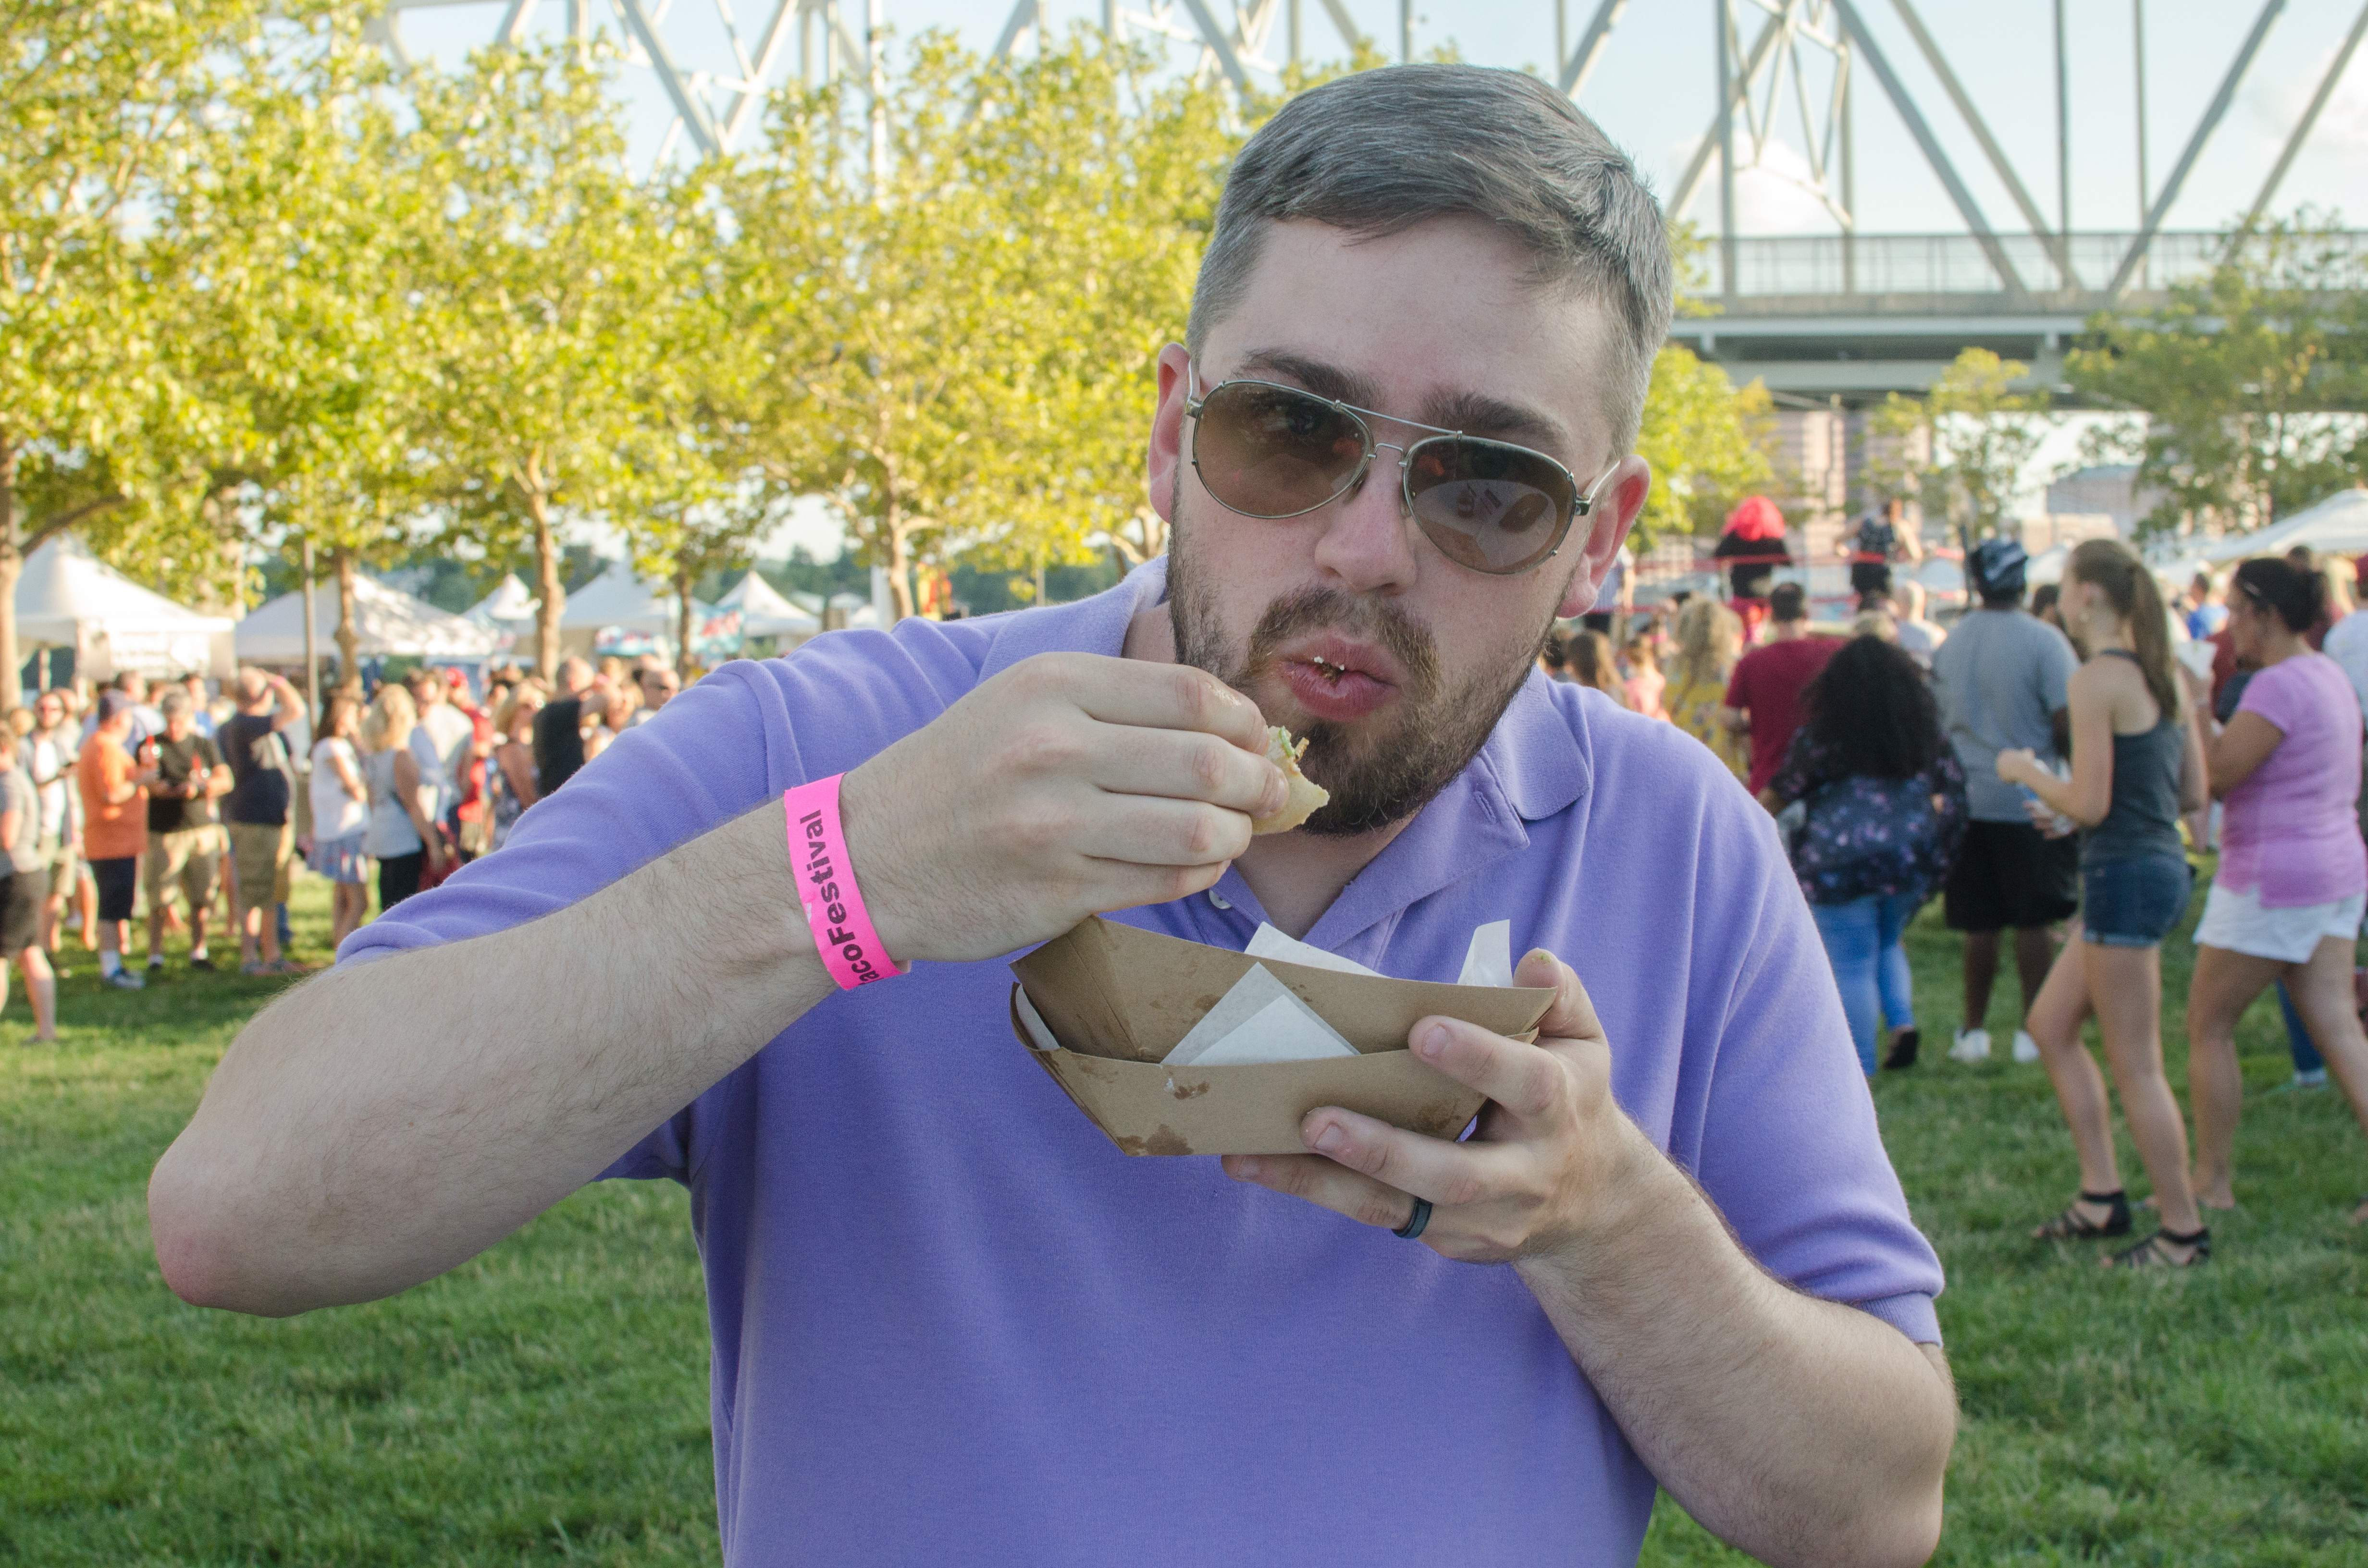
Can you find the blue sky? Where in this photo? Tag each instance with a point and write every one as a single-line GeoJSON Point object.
{"type": "Point", "coordinates": [1655, 90]}
{"type": "Point", "coordinates": [1657, 87]}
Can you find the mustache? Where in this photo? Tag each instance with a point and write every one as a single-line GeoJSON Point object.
{"type": "Point", "coordinates": [1318, 610]}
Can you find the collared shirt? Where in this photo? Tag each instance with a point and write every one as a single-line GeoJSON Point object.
{"type": "Point", "coordinates": [951, 1322]}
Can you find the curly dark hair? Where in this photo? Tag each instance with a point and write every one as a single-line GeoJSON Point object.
{"type": "Point", "coordinates": [1872, 712]}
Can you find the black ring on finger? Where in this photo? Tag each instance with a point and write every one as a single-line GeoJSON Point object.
{"type": "Point", "coordinates": [1415, 1221]}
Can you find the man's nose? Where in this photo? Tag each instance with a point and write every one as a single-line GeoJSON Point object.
{"type": "Point", "coordinates": [1368, 541]}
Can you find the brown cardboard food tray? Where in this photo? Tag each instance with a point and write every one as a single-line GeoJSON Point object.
{"type": "Point", "coordinates": [1118, 999]}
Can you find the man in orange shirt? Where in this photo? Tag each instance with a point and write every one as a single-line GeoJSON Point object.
{"type": "Point", "coordinates": [115, 830]}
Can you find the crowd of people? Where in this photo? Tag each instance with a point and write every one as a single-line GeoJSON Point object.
{"type": "Point", "coordinates": [2052, 766]}
{"type": "Point", "coordinates": [210, 801]}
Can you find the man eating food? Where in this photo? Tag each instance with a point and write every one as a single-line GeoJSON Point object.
{"type": "Point", "coordinates": [951, 1322]}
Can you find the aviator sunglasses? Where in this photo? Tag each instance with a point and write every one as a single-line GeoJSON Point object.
{"type": "Point", "coordinates": [1272, 451]}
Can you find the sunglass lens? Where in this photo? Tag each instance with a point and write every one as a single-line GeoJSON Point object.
{"type": "Point", "coordinates": [1489, 505]}
{"type": "Point", "coordinates": [1272, 452]}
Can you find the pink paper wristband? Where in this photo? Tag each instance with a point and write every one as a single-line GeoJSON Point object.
{"type": "Point", "coordinates": [850, 949]}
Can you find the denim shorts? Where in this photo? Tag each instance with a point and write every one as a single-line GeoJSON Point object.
{"type": "Point", "coordinates": [2133, 903]}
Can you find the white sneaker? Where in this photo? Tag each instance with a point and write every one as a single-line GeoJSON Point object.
{"type": "Point", "coordinates": [2025, 1048]}
{"type": "Point", "coordinates": [1971, 1045]}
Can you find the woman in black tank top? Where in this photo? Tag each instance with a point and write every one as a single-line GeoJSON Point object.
{"type": "Point", "coordinates": [2138, 763]}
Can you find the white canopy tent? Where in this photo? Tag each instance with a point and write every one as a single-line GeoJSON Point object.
{"type": "Point", "coordinates": [67, 598]}
{"type": "Point", "coordinates": [387, 624]}
{"type": "Point", "coordinates": [765, 613]}
{"type": "Point", "coordinates": [2337, 526]}
{"type": "Point", "coordinates": [508, 607]}
{"type": "Point", "coordinates": [861, 612]}
{"type": "Point", "coordinates": [619, 600]}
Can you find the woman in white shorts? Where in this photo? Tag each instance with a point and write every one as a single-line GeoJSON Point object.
{"type": "Point", "coordinates": [2294, 872]}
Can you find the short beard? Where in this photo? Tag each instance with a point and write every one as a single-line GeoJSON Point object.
{"type": "Point", "coordinates": [1398, 769]}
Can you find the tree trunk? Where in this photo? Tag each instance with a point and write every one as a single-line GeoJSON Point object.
{"type": "Point", "coordinates": [546, 577]}
{"type": "Point", "coordinates": [682, 643]}
{"type": "Point", "coordinates": [900, 563]}
{"type": "Point", "coordinates": [12, 564]}
{"type": "Point", "coordinates": [349, 637]}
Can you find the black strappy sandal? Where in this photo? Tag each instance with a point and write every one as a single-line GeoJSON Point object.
{"type": "Point", "coordinates": [2155, 1251]}
{"type": "Point", "coordinates": [2074, 1226]}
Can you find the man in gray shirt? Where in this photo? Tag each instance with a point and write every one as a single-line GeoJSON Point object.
{"type": "Point", "coordinates": [2002, 678]}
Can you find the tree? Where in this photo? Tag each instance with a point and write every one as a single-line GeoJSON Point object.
{"type": "Point", "coordinates": [296, 230]}
{"type": "Point", "coordinates": [953, 342]}
{"type": "Point", "coordinates": [1114, 186]}
{"type": "Point", "coordinates": [1960, 450]}
{"type": "Point", "coordinates": [538, 287]}
{"type": "Point", "coordinates": [2246, 379]}
{"type": "Point", "coordinates": [97, 99]}
{"type": "Point", "coordinates": [1707, 443]}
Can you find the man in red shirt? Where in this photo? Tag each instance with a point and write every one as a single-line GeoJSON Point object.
{"type": "Point", "coordinates": [1763, 698]}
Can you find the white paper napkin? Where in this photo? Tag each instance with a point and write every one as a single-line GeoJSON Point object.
{"type": "Point", "coordinates": [1489, 960]}
{"type": "Point", "coordinates": [1259, 1019]}
{"type": "Point", "coordinates": [1267, 942]}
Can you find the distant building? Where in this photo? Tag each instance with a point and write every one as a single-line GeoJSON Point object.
{"type": "Point", "coordinates": [2110, 489]}
{"type": "Point", "coordinates": [2049, 530]}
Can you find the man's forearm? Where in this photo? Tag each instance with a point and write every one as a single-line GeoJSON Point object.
{"type": "Point", "coordinates": [1799, 1429]}
{"type": "Point", "coordinates": [379, 1124]}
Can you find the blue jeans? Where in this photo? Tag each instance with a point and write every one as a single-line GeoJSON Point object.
{"type": "Point", "coordinates": [2305, 1055]}
{"type": "Point", "coordinates": [1863, 943]}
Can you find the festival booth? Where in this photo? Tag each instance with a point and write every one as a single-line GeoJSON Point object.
{"type": "Point", "coordinates": [68, 599]}
{"type": "Point", "coordinates": [508, 611]}
{"type": "Point", "coordinates": [618, 613]}
{"type": "Point", "coordinates": [852, 611]}
{"type": "Point", "coordinates": [2337, 526]}
{"type": "Point", "coordinates": [388, 624]}
{"type": "Point", "coordinates": [765, 614]}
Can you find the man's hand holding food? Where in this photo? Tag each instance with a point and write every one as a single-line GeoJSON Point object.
{"type": "Point", "coordinates": [1546, 1167]}
{"type": "Point", "coordinates": [1068, 785]}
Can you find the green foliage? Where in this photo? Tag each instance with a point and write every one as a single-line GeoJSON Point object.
{"type": "Point", "coordinates": [99, 101]}
{"type": "Point", "coordinates": [1708, 442]}
{"type": "Point", "coordinates": [2252, 381]}
{"type": "Point", "coordinates": [292, 239]}
{"type": "Point", "coordinates": [541, 299]}
{"type": "Point", "coordinates": [947, 317]}
{"type": "Point", "coordinates": [1960, 450]}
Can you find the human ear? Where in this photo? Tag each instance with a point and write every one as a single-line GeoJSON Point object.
{"type": "Point", "coordinates": [1618, 501]}
{"type": "Point", "coordinates": [1166, 456]}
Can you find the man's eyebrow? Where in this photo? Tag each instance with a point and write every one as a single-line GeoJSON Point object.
{"type": "Point", "coordinates": [1480, 414]}
{"type": "Point", "coordinates": [1475, 413]}
{"type": "Point", "coordinates": [1322, 379]}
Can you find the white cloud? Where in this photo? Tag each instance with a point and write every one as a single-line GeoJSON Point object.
{"type": "Point", "coordinates": [1774, 196]}
{"type": "Point", "coordinates": [2278, 106]}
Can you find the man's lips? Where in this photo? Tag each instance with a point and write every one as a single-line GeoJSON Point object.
{"type": "Point", "coordinates": [1331, 654]}
{"type": "Point", "coordinates": [1336, 679]}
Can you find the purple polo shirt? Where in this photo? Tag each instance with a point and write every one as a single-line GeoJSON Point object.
{"type": "Point", "coordinates": [952, 1323]}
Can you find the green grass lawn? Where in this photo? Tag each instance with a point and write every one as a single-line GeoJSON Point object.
{"type": "Point", "coordinates": [549, 1401]}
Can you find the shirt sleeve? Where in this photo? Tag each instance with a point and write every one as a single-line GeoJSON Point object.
{"type": "Point", "coordinates": [2276, 696]}
{"type": "Point", "coordinates": [2055, 669]}
{"type": "Point", "coordinates": [1738, 686]}
{"type": "Point", "coordinates": [1782, 1136]}
{"type": "Point", "coordinates": [734, 740]}
{"type": "Point", "coordinates": [1802, 770]}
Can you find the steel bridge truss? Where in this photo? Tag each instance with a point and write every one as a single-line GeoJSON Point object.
{"type": "Point", "coordinates": [1785, 69]}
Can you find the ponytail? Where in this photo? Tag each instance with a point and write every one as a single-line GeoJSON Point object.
{"type": "Point", "coordinates": [2130, 588]}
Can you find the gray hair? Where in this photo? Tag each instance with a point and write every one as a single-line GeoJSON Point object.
{"type": "Point", "coordinates": [174, 702]}
{"type": "Point", "coordinates": [1381, 152]}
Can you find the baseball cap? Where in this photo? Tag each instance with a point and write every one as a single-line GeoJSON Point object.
{"type": "Point", "coordinates": [113, 704]}
{"type": "Point", "coordinates": [1996, 567]}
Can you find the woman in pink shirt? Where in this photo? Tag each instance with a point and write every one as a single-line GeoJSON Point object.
{"type": "Point", "coordinates": [2294, 874]}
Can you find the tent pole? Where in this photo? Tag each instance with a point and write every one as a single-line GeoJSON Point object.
{"type": "Point", "coordinates": [312, 656]}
